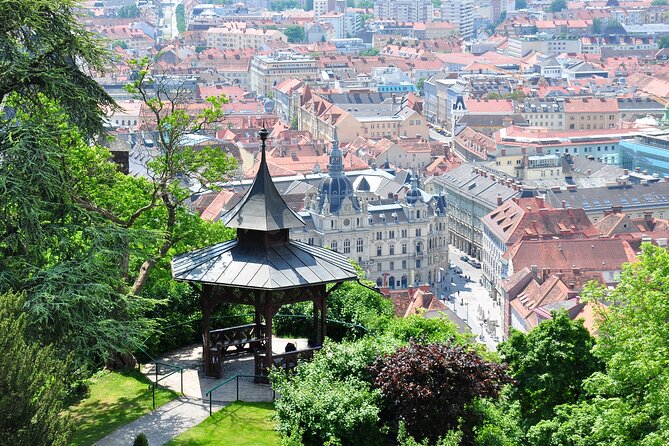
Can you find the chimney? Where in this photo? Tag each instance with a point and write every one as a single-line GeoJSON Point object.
{"type": "Point", "coordinates": [499, 200]}
{"type": "Point", "coordinates": [575, 271]}
{"type": "Point", "coordinates": [617, 209]}
{"type": "Point", "coordinates": [564, 204]}
{"type": "Point", "coordinates": [541, 202]}
{"type": "Point", "coordinates": [608, 212]}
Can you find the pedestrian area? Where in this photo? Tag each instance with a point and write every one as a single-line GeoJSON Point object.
{"type": "Point", "coordinates": [168, 421]}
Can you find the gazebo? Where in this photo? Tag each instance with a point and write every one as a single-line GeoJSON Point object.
{"type": "Point", "coordinates": [263, 268]}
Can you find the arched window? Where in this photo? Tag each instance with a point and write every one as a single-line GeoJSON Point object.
{"type": "Point", "coordinates": [333, 245]}
{"type": "Point", "coordinates": [392, 249]}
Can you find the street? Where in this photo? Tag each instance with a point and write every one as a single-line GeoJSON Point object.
{"type": "Point", "coordinates": [471, 302]}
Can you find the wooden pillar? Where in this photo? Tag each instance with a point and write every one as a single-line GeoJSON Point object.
{"type": "Point", "coordinates": [268, 312]}
{"type": "Point", "coordinates": [205, 304]}
{"type": "Point", "coordinates": [324, 320]}
{"type": "Point", "coordinates": [316, 324]}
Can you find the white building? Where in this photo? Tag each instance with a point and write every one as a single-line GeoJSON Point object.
{"type": "Point", "coordinates": [460, 13]}
{"type": "Point", "coordinates": [404, 10]}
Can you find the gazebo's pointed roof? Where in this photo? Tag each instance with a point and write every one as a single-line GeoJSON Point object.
{"type": "Point", "coordinates": [262, 208]}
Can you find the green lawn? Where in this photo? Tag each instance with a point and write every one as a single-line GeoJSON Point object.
{"type": "Point", "coordinates": [239, 424]}
{"type": "Point", "coordinates": [114, 399]}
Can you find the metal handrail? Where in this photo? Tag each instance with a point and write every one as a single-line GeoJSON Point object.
{"type": "Point", "coordinates": [154, 384]}
{"type": "Point", "coordinates": [236, 377]}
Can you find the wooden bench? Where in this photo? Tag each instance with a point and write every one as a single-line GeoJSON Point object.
{"type": "Point", "coordinates": [232, 340]}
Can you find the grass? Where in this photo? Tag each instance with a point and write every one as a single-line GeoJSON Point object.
{"type": "Point", "coordinates": [114, 399]}
{"type": "Point", "coordinates": [239, 424]}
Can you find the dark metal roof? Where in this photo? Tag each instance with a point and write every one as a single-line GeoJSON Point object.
{"type": "Point", "coordinates": [275, 267]}
{"type": "Point", "coordinates": [262, 208]}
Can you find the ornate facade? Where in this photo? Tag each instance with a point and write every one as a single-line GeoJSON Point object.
{"type": "Point", "coordinates": [398, 242]}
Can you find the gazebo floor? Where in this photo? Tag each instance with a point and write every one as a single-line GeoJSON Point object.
{"type": "Point", "coordinates": [196, 385]}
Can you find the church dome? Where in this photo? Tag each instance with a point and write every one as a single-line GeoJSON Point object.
{"type": "Point", "coordinates": [336, 186]}
{"type": "Point", "coordinates": [414, 195]}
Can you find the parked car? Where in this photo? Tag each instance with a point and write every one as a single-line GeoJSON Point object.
{"type": "Point", "coordinates": [475, 263]}
{"type": "Point", "coordinates": [464, 258]}
{"type": "Point", "coordinates": [457, 270]}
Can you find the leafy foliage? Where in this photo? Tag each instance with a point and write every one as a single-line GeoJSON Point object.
{"type": "Point", "coordinates": [295, 34]}
{"type": "Point", "coordinates": [32, 383]}
{"type": "Point", "coordinates": [282, 5]}
{"type": "Point", "coordinates": [68, 259]}
{"type": "Point", "coordinates": [627, 403]}
{"type": "Point", "coordinates": [549, 365]}
{"type": "Point", "coordinates": [180, 14]}
{"type": "Point", "coordinates": [423, 383]}
{"type": "Point", "coordinates": [127, 11]}
{"type": "Point", "coordinates": [557, 6]}
{"type": "Point", "coordinates": [44, 48]}
{"type": "Point", "coordinates": [330, 400]}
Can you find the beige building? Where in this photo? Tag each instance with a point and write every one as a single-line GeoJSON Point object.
{"type": "Point", "coordinates": [369, 115]}
{"type": "Point", "coordinates": [268, 71]}
{"type": "Point", "coordinates": [591, 113]}
{"type": "Point", "coordinates": [236, 36]}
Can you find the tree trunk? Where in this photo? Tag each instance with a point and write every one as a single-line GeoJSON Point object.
{"type": "Point", "coordinates": [148, 265]}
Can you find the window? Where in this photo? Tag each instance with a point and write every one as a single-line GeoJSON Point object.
{"type": "Point", "coordinates": [418, 231]}
{"type": "Point", "coordinates": [359, 245]}
{"type": "Point", "coordinates": [392, 266]}
{"type": "Point", "coordinates": [391, 235]}
{"type": "Point", "coordinates": [311, 241]}
{"type": "Point", "coordinates": [404, 264]}
{"type": "Point", "coordinates": [404, 233]}
{"type": "Point", "coordinates": [379, 251]}
{"type": "Point", "coordinates": [404, 248]}
{"type": "Point", "coordinates": [417, 263]}
{"type": "Point", "coordinates": [379, 235]}
{"type": "Point", "coordinates": [347, 246]}
{"type": "Point", "coordinates": [392, 250]}
{"type": "Point", "coordinates": [378, 266]}
{"type": "Point", "coordinates": [334, 245]}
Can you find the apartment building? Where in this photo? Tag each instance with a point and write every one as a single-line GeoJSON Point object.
{"type": "Point", "coordinates": [371, 115]}
{"type": "Point", "coordinates": [591, 113]}
{"type": "Point", "coordinates": [460, 13]}
{"type": "Point", "coordinates": [404, 10]}
{"type": "Point", "coordinates": [270, 70]}
{"type": "Point", "coordinates": [236, 36]}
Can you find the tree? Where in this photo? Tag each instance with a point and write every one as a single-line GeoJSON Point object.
{"type": "Point", "coordinates": [664, 42]}
{"type": "Point", "coordinates": [369, 52]}
{"type": "Point", "coordinates": [420, 83]}
{"type": "Point", "coordinates": [180, 14]}
{"type": "Point", "coordinates": [557, 6]}
{"type": "Point", "coordinates": [521, 4]}
{"type": "Point", "coordinates": [345, 408]}
{"type": "Point", "coordinates": [32, 383]}
{"type": "Point", "coordinates": [47, 50]}
{"type": "Point", "coordinates": [128, 11]}
{"type": "Point", "coordinates": [294, 123]}
{"type": "Point", "coordinates": [120, 43]}
{"type": "Point", "coordinates": [659, 3]}
{"type": "Point", "coordinates": [421, 384]}
{"type": "Point", "coordinates": [596, 26]}
{"type": "Point", "coordinates": [627, 402]}
{"type": "Point", "coordinates": [549, 365]}
{"type": "Point", "coordinates": [295, 34]}
{"type": "Point", "coordinates": [69, 260]}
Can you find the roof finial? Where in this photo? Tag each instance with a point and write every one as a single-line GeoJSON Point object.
{"type": "Point", "coordinates": [263, 137]}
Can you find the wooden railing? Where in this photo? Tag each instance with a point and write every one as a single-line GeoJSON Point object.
{"type": "Point", "coordinates": [242, 337]}
{"type": "Point", "coordinates": [286, 361]}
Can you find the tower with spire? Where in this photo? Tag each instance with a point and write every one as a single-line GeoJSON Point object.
{"type": "Point", "coordinates": [336, 188]}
